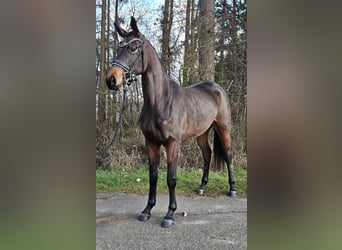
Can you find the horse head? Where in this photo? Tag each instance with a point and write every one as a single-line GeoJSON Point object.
{"type": "Point", "coordinates": [130, 57]}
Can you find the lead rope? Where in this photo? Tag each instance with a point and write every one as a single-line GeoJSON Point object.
{"type": "Point", "coordinates": [127, 83]}
{"type": "Point", "coordinates": [105, 149]}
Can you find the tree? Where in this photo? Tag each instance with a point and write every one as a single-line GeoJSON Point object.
{"type": "Point", "coordinates": [166, 29]}
{"type": "Point", "coordinates": [221, 47]}
{"type": "Point", "coordinates": [206, 39]}
{"type": "Point", "coordinates": [101, 95]}
{"type": "Point", "coordinates": [231, 67]}
{"type": "Point", "coordinates": [189, 44]}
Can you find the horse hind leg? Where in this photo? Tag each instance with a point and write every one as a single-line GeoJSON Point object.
{"type": "Point", "coordinates": [202, 142]}
{"type": "Point", "coordinates": [223, 139]}
{"type": "Point", "coordinates": [232, 191]}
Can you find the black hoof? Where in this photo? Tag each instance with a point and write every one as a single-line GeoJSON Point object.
{"type": "Point", "coordinates": [200, 191]}
{"type": "Point", "coordinates": [144, 217]}
{"type": "Point", "coordinates": [167, 223]}
{"type": "Point", "coordinates": [232, 193]}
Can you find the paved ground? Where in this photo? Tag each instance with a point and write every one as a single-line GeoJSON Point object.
{"type": "Point", "coordinates": [211, 223]}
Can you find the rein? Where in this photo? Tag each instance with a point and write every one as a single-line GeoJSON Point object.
{"type": "Point", "coordinates": [129, 77]}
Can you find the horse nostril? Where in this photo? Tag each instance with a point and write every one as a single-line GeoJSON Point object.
{"type": "Point", "coordinates": [111, 83]}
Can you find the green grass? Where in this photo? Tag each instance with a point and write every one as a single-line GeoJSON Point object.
{"type": "Point", "coordinates": [119, 180]}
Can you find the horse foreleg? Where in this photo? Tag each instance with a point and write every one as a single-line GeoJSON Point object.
{"type": "Point", "coordinates": [172, 149]}
{"type": "Point", "coordinates": [153, 154]}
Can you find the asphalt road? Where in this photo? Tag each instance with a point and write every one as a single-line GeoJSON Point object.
{"type": "Point", "coordinates": [211, 223]}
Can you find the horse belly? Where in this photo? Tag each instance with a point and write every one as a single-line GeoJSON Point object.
{"type": "Point", "coordinates": [195, 127]}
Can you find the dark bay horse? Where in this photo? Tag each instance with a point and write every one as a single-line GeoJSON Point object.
{"type": "Point", "coordinates": [171, 114]}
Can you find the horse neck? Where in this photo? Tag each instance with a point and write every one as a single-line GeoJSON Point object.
{"type": "Point", "coordinates": [155, 82]}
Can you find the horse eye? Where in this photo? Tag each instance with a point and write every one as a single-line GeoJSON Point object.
{"type": "Point", "coordinates": [132, 49]}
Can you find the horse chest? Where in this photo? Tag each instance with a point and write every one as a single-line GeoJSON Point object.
{"type": "Point", "coordinates": [157, 129]}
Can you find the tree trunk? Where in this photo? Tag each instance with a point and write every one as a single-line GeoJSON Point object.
{"type": "Point", "coordinates": [115, 33]}
{"type": "Point", "coordinates": [193, 58]}
{"type": "Point", "coordinates": [108, 97]}
{"type": "Point", "coordinates": [234, 41]}
{"type": "Point", "coordinates": [166, 29]}
{"type": "Point", "coordinates": [206, 39]}
{"type": "Point", "coordinates": [101, 95]}
{"type": "Point", "coordinates": [115, 94]}
{"type": "Point", "coordinates": [222, 74]}
{"type": "Point", "coordinates": [187, 44]}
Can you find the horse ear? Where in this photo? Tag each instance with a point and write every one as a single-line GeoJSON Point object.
{"type": "Point", "coordinates": [135, 27]}
{"type": "Point", "coordinates": [121, 31]}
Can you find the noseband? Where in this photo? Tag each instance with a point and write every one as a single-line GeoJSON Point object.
{"type": "Point", "coordinates": [128, 69]}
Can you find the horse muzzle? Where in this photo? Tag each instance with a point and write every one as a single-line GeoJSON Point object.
{"type": "Point", "coordinates": [114, 78]}
{"type": "Point", "coordinates": [111, 83]}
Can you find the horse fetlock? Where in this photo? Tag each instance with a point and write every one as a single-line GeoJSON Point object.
{"type": "Point", "coordinates": [151, 203]}
{"type": "Point", "coordinates": [204, 181]}
{"type": "Point", "coordinates": [169, 214]}
{"type": "Point", "coordinates": [172, 209]}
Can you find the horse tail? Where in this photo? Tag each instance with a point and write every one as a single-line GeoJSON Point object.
{"type": "Point", "coordinates": [218, 152]}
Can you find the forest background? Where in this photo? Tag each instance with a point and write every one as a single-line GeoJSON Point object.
{"type": "Point", "coordinates": [196, 40]}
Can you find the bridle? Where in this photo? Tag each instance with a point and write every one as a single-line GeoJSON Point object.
{"type": "Point", "coordinates": [129, 77]}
